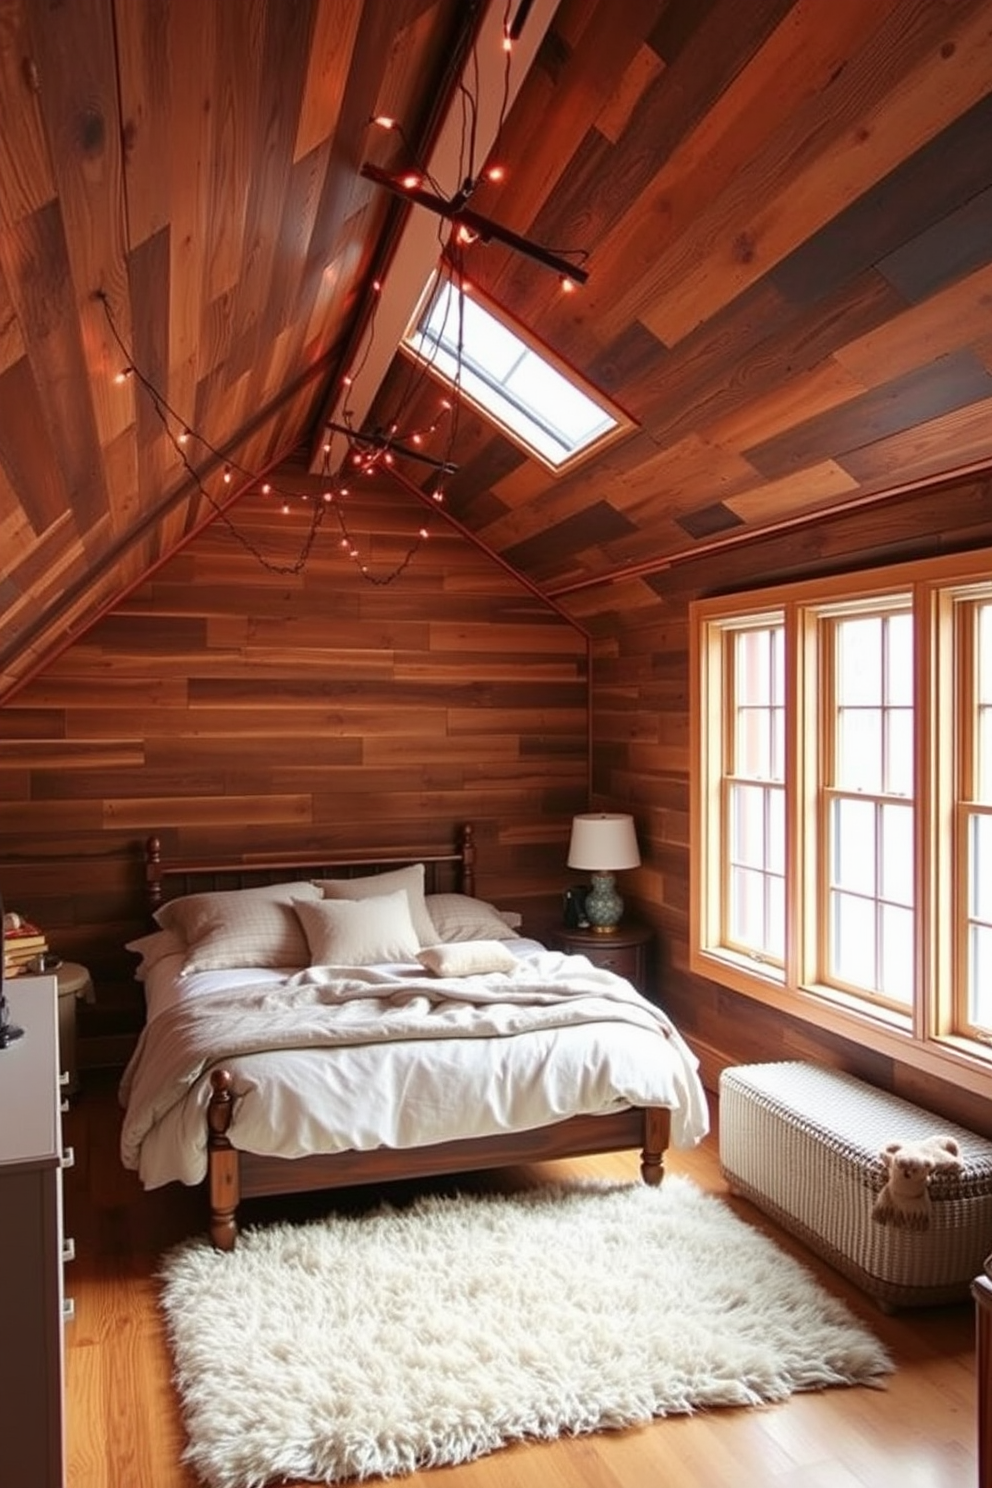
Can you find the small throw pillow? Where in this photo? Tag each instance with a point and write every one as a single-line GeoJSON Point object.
{"type": "Point", "coordinates": [359, 932]}
{"type": "Point", "coordinates": [374, 885]}
{"type": "Point", "coordinates": [460, 917]}
{"type": "Point", "coordinates": [468, 958]}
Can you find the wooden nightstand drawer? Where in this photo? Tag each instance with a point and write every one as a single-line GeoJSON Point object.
{"type": "Point", "coordinates": [623, 951]}
{"type": "Point", "coordinates": [624, 960]}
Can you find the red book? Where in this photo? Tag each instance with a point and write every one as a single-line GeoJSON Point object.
{"type": "Point", "coordinates": [25, 937]}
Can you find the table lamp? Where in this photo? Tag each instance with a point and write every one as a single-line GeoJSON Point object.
{"type": "Point", "coordinates": [603, 842]}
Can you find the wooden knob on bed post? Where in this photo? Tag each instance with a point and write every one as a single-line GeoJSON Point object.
{"type": "Point", "coordinates": [224, 1185]}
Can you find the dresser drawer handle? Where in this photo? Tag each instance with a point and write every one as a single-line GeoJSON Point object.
{"type": "Point", "coordinates": [68, 1250]}
{"type": "Point", "coordinates": [68, 1309]}
{"type": "Point", "coordinates": [69, 1158]}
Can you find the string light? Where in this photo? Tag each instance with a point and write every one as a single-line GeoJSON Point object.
{"type": "Point", "coordinates": [367, 454]}
{"type": "Point", "coordinates": [181, 434]}
{"type": "Point", "coordinates": [469, 227]}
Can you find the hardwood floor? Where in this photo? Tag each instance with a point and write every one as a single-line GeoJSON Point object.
{"type": "Point", "coordinates": [124, 1428]}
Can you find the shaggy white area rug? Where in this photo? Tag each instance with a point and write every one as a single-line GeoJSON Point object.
{"type": "Point", "coordinates": [371, 1345]}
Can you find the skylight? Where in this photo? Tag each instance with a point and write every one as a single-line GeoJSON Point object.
{"type": "Point", "coordinates": [506, 377]}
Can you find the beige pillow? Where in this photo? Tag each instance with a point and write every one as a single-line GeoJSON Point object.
{"type": "Point", "coordinates": [240, 927]}
{"type": "Point", "coordinates": [374, 885]}
{"type": "Point", "coordinates": [468, 958]}
{"type": "Point", "coordinates": [152, 948]}
{"type": "Point", "coordinates": [359, 932]}
{"type": "Point", "coordinates": [460, 917]}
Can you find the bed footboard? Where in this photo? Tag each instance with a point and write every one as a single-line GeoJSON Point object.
{"type": "Point", "coordinates": [233, 1175]}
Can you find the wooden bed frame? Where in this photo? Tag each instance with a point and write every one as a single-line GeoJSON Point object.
{"type": "Point", "coordinates": [233, 1175]}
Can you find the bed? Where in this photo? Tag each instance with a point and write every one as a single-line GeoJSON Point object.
{"type": "Point", "coordinates": [320, 1024]}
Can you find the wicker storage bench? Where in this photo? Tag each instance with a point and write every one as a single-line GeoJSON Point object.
{"type": "Point", "coordinates": [803, 1143]}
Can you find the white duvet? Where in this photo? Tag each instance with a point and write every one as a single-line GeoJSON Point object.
{"type": "Point", "coordinates": [330, 1059]}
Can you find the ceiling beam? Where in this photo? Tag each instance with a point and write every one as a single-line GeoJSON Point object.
{"type": "Point", "coordinates": [416, 252]}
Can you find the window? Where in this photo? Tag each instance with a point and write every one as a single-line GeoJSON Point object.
{"type": "Point", "coordinates": [842, 805]}
{"type": "Point", "coordinates": [867, 798]}
{"type": "Point", "coordinates": [536, 401]}
{"type": "Point", "coordinates": [974, 636]}
{"type": "Point", "coordinates": [754, 783]}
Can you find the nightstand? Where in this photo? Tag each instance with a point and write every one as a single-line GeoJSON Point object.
{"type": "Point", "coordinates": [74, 982]}
{"type": "Point", "coordinates": [625, 950]}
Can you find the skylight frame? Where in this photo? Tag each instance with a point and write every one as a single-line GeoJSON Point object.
{"type": "Point", "coordinates": [531, 428]}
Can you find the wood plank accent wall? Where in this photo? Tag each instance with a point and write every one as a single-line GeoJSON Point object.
{"type": "Point", "coordinates": [640, 720]}
{"type": "Point", "coordinates": [230, 707]}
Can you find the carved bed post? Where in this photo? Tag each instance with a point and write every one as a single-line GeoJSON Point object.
{"type": "Point", "coordinates": [153, 872]}
{"type": "Point", "coordinates": [657, 1132]}
{"type": "Point", "coordinates": [467, 885]}
{"type": "Point", "coordinates": [222, 1163]}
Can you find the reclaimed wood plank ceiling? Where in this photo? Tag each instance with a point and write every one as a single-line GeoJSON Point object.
{"type": "Point", "coordinates": [786, 205]}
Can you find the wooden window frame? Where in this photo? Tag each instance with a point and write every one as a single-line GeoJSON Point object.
{"type": "Point", "coordinates": [932, 1035]}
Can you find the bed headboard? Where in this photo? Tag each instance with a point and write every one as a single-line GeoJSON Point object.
{"type": "Point", "coordinates": [445, 871]}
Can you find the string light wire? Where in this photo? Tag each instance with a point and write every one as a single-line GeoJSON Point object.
{"type": "Point", "coordinates": [366, 454]}
{"type": "Point", "coordinates": [181, 433]}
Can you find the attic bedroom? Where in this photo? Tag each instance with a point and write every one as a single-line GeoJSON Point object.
{"type": "Point", "coordinates": [420, 413]}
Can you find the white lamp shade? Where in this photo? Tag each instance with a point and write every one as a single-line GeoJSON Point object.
{"type": "Point", "coordinates": [603, 842]}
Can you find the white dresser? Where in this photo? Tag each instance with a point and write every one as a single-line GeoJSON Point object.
{"type": "Point", "coordinates": [32, 1248]}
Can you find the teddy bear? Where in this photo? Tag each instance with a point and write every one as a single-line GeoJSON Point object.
{"type": "Point", "coordinates": [905, 1198]}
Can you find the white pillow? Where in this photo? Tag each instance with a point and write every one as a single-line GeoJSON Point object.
{"type": "Point", "coordinates": [152, 948]}
{"type": "Point", "coordinates": [468, 958]}
{"type": "Point", "coordinates": [240, 927]}
{"type": "Point", "coordinates": [460, 917]}
{"type": "Point", "coordinates": [374, 885]}
{"type": "Point", "coordinates": [359, 932]}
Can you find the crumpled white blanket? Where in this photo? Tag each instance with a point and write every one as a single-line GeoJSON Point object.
{"type": "Point", "coordinates": [341, 1008]}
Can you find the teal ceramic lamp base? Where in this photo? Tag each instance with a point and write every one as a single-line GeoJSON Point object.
{"type": "Point", "coordinates": [604, 907]}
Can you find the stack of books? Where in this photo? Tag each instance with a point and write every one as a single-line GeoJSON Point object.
{"type": "Point", "coordinates": [22, 941]}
